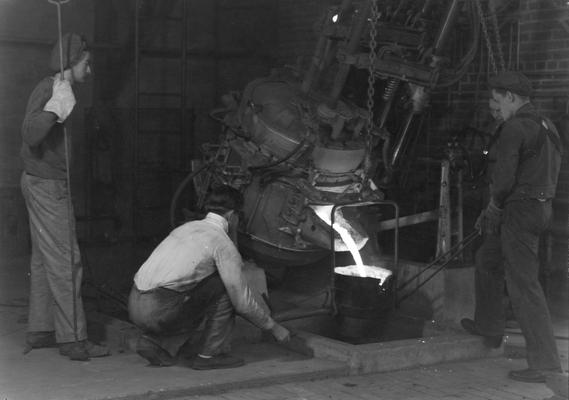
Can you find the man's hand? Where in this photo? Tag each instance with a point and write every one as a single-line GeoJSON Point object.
{"type": "Point", "coordinates": [280, 333]}
{"type": "Point", "coordinates": [489, 220]}
{"type": "Point", "coordinates": [62, 100]}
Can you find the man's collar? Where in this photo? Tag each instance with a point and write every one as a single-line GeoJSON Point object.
{"type": "Point", "coordinates": [526, 107]}
{"type": "Point", "coordinates": [217, 220]}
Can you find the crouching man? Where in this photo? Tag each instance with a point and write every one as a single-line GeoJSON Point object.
{"type": "Point", "coordinates": [196, 274]}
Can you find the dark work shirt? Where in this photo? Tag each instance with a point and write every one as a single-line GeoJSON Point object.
{"type": "Point", "coordinates": [43, 146]}
{"type": "Point", "coordinates": [527, 164]}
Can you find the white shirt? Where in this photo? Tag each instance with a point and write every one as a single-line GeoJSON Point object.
{"type": "Point", "coordinates": [194, 251]}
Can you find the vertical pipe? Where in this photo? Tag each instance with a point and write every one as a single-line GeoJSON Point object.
{"type": "Point", "coordinates": [311, 74]}
{"type": "Point", "coordinates": [134, 144]}
{"type": "Point", "coordinates": [184, 89]}
{"type": "Point", "coordinates": [518, 44]}
{"type": "Point", "coordinates": [444, 231]}
{"type": "Point", "coordinates": [216, 39]}
{"type": "Point", "coordinates": [459, 213]}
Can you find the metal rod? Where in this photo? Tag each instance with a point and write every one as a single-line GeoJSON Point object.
{"type": "Point", "coordinates": [469, 239]}
{"type": "Point", "coordinates": [402, 138]}
{"type": "Point", "coordinates": [407, 220]}
{"type": "Point", "coordinates": [300, 313]}
{"type": "Point", "coordinates": [446, 27]}
{"type": "Point", "coordinates": [66, 139]}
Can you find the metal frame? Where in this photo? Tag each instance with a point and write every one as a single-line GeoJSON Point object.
{"type": "Point", "coordinates": [395, 242]}
{"type": "Point", "coordinates": [330, 309]}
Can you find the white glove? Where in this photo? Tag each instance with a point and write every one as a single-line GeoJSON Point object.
{"type": "Point", "coordinates": [62, 100]}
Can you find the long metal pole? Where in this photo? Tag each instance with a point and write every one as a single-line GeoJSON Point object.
{"type": "Point", "coordinates": [66, 139]}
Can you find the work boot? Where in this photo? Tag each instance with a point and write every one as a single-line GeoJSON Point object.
{"type": "Point", "coordinates": [532, 375]}
{"type": "Point", "coordinates": [217, 362]}
{"type": "Point", "coordinates": [83, 350]}
{"type": "Point", "coordinates": [490, 341]}
{"type": "Point", "coordinates": [154, 354]}
{"type": "Point", "coordinates": [40, 339]}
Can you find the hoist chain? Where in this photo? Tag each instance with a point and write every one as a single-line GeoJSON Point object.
{"type": "Point", "coordinates": [371, 69]}
{"type": "Point", "coordinates": [494, 18]}
{"type": "Point", "coordinates": [486, 36]}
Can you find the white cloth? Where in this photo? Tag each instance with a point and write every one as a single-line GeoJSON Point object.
{"type": "Point", "coordinates": [62, 100]}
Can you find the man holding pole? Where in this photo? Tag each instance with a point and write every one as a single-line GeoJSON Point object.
{"type": "Point", "coordinates": [56, 315]}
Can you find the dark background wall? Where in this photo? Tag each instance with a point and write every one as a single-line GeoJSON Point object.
{"type": "Point", "coordinates": [229, 43]}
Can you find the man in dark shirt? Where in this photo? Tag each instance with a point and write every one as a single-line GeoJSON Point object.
{"type": "Point", "coordinates": [56, 316]}
{"type": "Point", "coordinates": [522, 183]}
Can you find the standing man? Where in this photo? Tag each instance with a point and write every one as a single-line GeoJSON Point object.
{"type": "Point", "coordinates": [195, 274]}
{"type": "Point", "coordinates": [522, 185]}
{"type": "Point", "coordinates": [56, 315]}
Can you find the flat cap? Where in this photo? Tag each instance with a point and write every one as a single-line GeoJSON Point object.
{"type": "Point", "coordinates": [514, 81]}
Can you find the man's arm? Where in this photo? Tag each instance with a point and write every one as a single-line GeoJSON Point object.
{"type": "Point", "coordinates": [507, 159]}
{"type": "Point", "coordinates": [229, 264]}
{"type": "Point", "coordinates": [37, 123]}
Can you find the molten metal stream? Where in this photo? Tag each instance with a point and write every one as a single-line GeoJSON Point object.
{"type": "Point", "coordinates": [351, 245]}
{"type": "Point", "coordinates": [360, 270]}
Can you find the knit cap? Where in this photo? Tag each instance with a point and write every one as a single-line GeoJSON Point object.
{"type": "Point", "coordinates": [73, 47]}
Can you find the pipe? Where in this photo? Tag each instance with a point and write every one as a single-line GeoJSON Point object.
{"type": "Point", "coordinates": [402, 138]}
{"type": "Point", "coordinates": [446, 27]}
{"type": "Point", "coordinates": [408, 220]}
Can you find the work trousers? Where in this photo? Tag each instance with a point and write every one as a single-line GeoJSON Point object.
{"type": "Point", "coordinates": [513, 256]}
{"type": "Point", "coordinates": [55, 302]}
{"type": "Point", "coordinates": [170, 318]}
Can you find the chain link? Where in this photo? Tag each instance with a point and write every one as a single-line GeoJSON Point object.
{"type": "Point", "coordinates": [486, 36]}
{"type": "Point", "coordinates": [371, 69]}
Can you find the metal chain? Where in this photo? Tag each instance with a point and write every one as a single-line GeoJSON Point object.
{"type": "Point", "coordinates": [371, 69]}
{"type": "Point", "coordinates": [486, 36]}
{"type": "Point", "coordinates": [494, 19]}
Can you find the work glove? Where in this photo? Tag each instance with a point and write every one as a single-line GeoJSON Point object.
{"type": "Point", "coordinates": [489, 220]}
{"type": "Point", "coordinates": [62, 100]}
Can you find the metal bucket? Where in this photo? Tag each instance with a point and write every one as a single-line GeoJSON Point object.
{"type": "Point", "coordinates": [363, 299]}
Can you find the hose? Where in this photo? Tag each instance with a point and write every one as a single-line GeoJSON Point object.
{"type": "Point", "coordinates": [293, 152]}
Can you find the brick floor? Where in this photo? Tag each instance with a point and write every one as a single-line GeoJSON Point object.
{"type": "Point", "coordinates": [484, 379]}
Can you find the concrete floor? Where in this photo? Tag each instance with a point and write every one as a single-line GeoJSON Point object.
{"type": "Point", "coordinates": [271, 372]}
